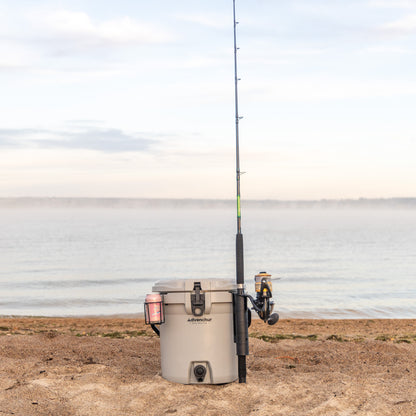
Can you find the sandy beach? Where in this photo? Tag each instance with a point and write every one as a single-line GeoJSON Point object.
{"type": "Point", "coordinates": [111, 366]}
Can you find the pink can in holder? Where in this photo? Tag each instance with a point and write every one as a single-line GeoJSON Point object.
{"type": "Point", "coordinates": [153, 309]}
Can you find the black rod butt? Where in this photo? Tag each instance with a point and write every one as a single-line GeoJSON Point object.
{"type": "Point", "coordinates": [242, 369]}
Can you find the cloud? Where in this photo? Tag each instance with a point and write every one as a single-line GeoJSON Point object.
{"type": "Point", "coordinates": [70, 26]}
{"type": "Point", "coordinates": [305, 89]}
{"type": "Point", "coordinates": [10, 66]}
{"type": "Point", "coordinates": [99, 139]}
{"type": "Point", "coordinates": [405, 25]}
{"type": "Point", "coordinates": [6, 142]}
{"type": "Point", "coordinates": [393, 4]}
{"type": "Point", "coordinates": [210, 20]}
{"type": "Point", "coordinates": [14, 56]}
{"type": "Point", "coordinates": [397, 50]}
{"type": "Point", "coordinates": [31, 34]}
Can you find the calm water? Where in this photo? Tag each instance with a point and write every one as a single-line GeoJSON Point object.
{"type": "Point", "coordinates": [328, 263]}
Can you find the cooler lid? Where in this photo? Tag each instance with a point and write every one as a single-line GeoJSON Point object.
{"type": "Point", "coordinates": [187, 285]}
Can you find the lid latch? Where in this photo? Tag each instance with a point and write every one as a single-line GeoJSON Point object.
{"type": "Point", "coordinates": [198, 300]}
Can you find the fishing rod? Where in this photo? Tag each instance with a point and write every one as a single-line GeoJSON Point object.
{"type": "Point", "coordinates": [262, 305]}
{"type": "Point", "coordinates": [240, 301]}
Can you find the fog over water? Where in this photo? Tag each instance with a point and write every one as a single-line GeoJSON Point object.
{"type": "Point", "coordinates": [76, 256]}
{"type": "Point", "coordinates": [36, 202]}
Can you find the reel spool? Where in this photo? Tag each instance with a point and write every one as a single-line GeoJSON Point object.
{"type": "Point", "coordinates": [263, 304]}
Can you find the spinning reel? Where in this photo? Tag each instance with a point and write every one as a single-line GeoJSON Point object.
{"type": "Point", "coordinates": [263, 304]}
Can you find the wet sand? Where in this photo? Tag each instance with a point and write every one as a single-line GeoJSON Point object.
{"type": "Point", "coordinates": [111, 366]}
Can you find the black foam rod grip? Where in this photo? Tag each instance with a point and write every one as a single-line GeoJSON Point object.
{"type": "Point", "coordinates": [241, 323]}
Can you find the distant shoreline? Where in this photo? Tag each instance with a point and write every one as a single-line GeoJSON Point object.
{"type": "Point", "coordinates": [152, 203]}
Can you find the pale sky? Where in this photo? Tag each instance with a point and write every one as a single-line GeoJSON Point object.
{"type": "Point", "coordinates": [135, 98]}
